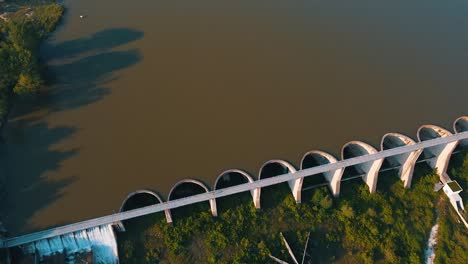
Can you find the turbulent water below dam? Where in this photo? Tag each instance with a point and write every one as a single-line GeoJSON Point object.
{"type": "Point", "coordinates": [99, 242]}
{"type": "Point", "coordinates": [146, 93]}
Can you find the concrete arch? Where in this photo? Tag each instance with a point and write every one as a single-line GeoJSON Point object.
{"type": "Point", "coordinates": [143, 191]}
{"type": "Point", "coordinates": [294, 185]}
{"type": "Point", "coordinates": [283, 163]}
{"type": "Point", "coordinates": [441, 153]}
{"type": "Point", "coordinates": [426, 132]}
{"type": "Point", "coordinates": [333, 177]}
{"type": "Point", "coordinates": [369, 169]}
{"type": "Point", "coordinates": [138, 192]}
{"type": "Point", "coordinates": [461, 125]}
{"type": "Point", "coordinates": [214, 211]}
{"type": "Point", "coordinates": [244, 174]}
{"type": "Point", "coordinates": [406, 161]}
{"type": "Point", "coordinates": [237, 171]}
{"type": "Point", "coordinates": [184, 181]}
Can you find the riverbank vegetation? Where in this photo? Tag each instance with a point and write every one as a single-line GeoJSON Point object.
{"type": "Point", "coordinates": [20, 35]}
{"type": "Point", "coordinates": [21, 31]}
{"type": "Point", "coordinates": [390, 226]}
{"type": "Point", "coordinates": [452, 241]}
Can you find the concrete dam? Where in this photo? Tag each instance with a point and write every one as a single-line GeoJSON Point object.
{"type": "Point", "coordinates": [434, 145]}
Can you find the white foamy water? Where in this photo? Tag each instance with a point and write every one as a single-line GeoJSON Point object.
{"type": "Point", "coordinates": [103, 251]}
{"type": "Point", "coordinates": [81, 238]}
{"type": "Point", "coordinates": [56, 245]}
{"type": "Point", "coordinates": [70, 246]}
{"type": "Point", "coordinates": [100, 240]}
{"type": "Point", "coordinates": [110, 241]}
{"type": "Point", "coordinates": [430, 251]}
{"type": "Point", "coordinates": [69, 243]}
{"type": "Point", "coordinates": [43, 248]}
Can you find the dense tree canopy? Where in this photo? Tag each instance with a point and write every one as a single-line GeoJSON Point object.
{"type": "Point", "coordinates": [19, 56]}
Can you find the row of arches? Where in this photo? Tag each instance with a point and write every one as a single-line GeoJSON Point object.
{"type": "Point", "coordinates": [437, 157]}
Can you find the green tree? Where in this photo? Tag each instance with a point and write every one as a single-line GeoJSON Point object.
{"type": "Point", "coordinates": [27, 83]}
{"type": "Point", "coordinates": [23, 35]}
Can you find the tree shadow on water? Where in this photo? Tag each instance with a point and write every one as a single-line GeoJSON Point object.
{"type": "Point", "coordinates": [99, 41]}
{"type": "Point", "coordinates": [31, 148]}
{"type": "Point", "coordinates": [83, 82]}
{"type": "Point", "coordinates": [24, 161]}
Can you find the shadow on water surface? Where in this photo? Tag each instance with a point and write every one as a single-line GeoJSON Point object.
{"type": "Point", "coordinates": [99, 41]}
{"type": "Point", "coordinates": [30, 150]}
{"type": "Point", "coordinates": [24, 164]}
{"type": "Point", "coordinates": [82, 81]}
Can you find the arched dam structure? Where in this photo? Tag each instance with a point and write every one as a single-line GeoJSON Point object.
{"type": "Point", "coordinates": [188, 192]}
{"type": "Point", "coordinates": [369, 170]}
{"type": "Point", "coordinates": [460, 125]}
{"type": "Point", "coordinates": [274, 168]}
{"type": "Point", "coordinates": [141, 198]}
{"type": "Point", "coordinates": [316, 158]}
{"type": "Point", "coordinates": [405, 161]}
{"type": "Point", "coordinates": [434, 145]}
{"type": "Point", "coordinates": [231, 178]}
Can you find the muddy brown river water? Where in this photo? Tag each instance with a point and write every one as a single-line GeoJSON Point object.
{"type": "Point", "coordinates": [147, 93]}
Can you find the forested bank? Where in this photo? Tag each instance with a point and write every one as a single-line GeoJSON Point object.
{"type": "Point", "coordinates": [21, 72]}
{"type": "Point", "coordinates": [20, 35]}
{"type": "Point", "coordinates": [391, 226]}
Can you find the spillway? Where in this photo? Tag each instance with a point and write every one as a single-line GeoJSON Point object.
{"type": "Point", "coordinates": [97, 241]}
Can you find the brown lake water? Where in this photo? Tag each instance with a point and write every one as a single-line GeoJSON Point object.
{"type": "Point", "coordinates": [147, 93]}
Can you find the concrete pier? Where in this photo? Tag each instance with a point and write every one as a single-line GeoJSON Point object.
{"type": "Point", "coordinates": [405, 161]}
{"type": "Point", "coordinates": [318, 157]}
{"type": "Point", "coordinates": [441, 152]}
{"type": "Point", "coordinates": [370, 170]}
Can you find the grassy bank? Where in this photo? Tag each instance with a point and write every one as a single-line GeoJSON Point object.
{"type": "Point", "coordinates": [391, 226]}
{"type": "Point", "coordinates": [20, 36]}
